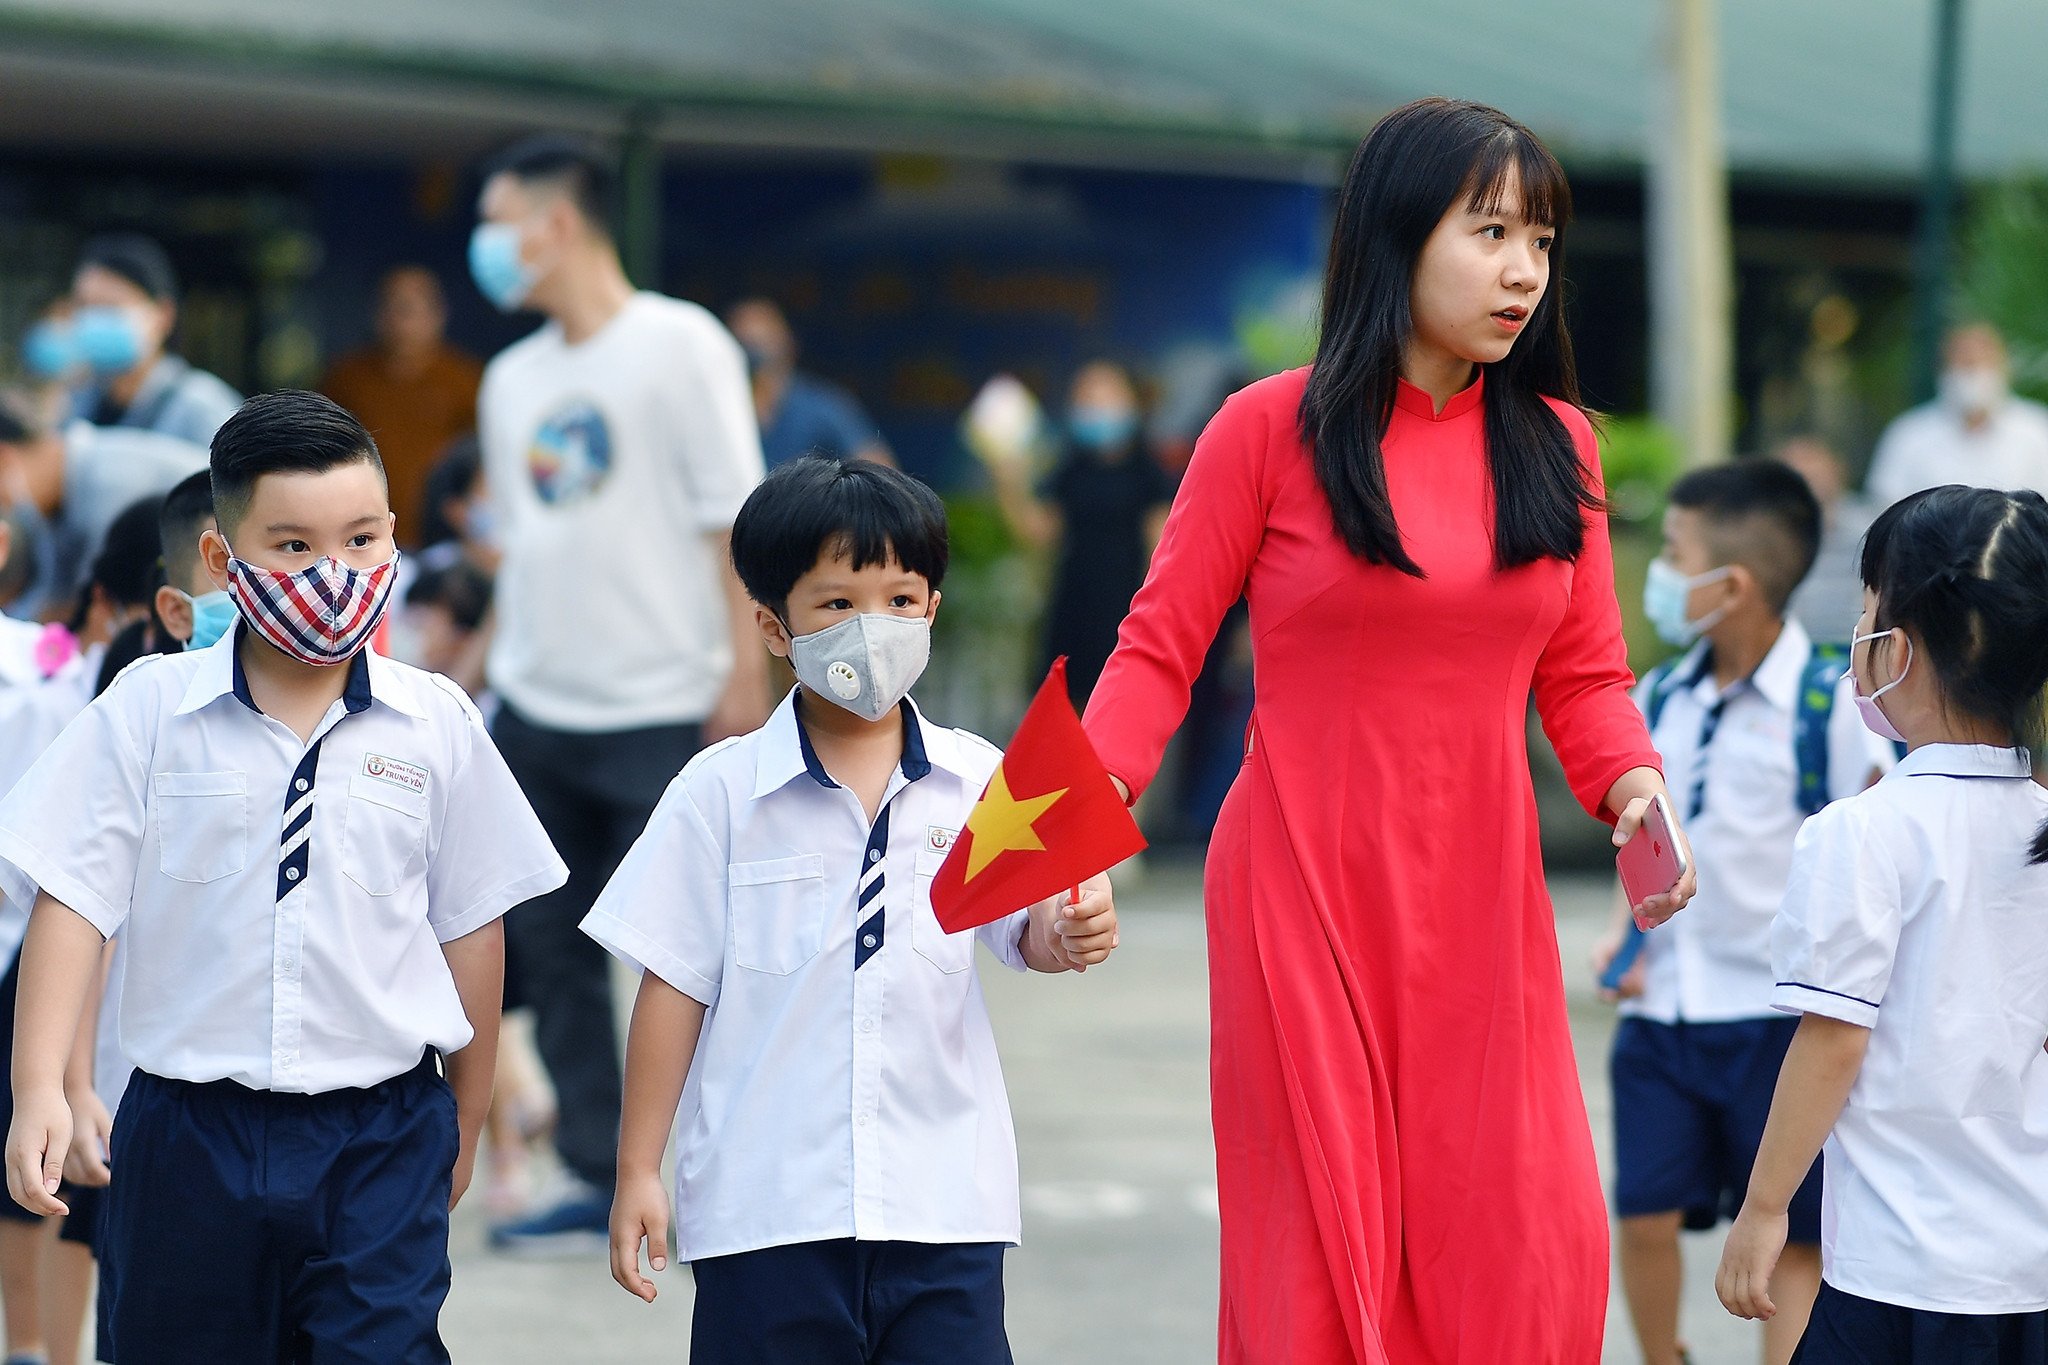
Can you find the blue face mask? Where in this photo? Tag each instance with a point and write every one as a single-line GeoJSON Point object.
{"type": "Point", "coordinates": [50, 350]}
{"type": "Point", "coordinates": [1667, 601]}
{"type": "Point", "coordinates": [213, 615]}
{"type": "Point", "coordinates": [109, 339]}
{"type": "Point", "coordinates": [497, 268]}
{"type": "Point", "coordinates": [1102, 428]}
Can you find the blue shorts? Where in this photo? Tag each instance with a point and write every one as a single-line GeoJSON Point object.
{"type": "Point", "coordinates": [852, 1303]}
{"type": "Point", "coordinates": [1690, 1102]}
{"type": "Point", "coordinates": [1847, 1330]}
{"type": "Point", "coordinates": [252, 1225]}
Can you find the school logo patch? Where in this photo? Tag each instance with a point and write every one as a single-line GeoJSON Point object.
{"type": "Point", "coordinates": [939, 840]}
{"type": "Point", "coordinates": [407, 775]}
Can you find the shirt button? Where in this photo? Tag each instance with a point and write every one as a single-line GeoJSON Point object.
{"type": "Point", "coordinates": [868, 942]}
{"type": "Point", "coordinates": [874, 855]}
{"type": "Point", "coordinates": [860, 1120]}
{"type": "Point", "coordinates": [867, 1026]}
{"type": "Point", "coordinates": [300, 784]}
{"type": "Point", "coordinates": [291, 874]}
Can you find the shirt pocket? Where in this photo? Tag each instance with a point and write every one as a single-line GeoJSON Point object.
{"type": "Point", "coordinates": [950, 953]}
{"type": "Point", "coordinates": [202, 825]}
{"type": "Point", "coordinates": [383, 829]}
{"type": "Point", "coordinates": [778, 912]}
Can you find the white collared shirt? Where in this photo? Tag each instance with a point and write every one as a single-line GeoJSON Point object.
{"type": "Point", "coordinates": [1913, 912]}
{"type": "Point", "coordinates": [846, 1084]}
{"type": "Point", "coordinates": [1929, 446]}
{"type": "Point", "coordinates": [1712, 964]}
{"type": "Point", "coordinates": [283, 904]}
{"type": "Point", "coordinates": [31, 718]}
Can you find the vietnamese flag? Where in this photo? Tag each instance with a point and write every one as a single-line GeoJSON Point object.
{"type": "Point", "coordinates": [1048, 818]}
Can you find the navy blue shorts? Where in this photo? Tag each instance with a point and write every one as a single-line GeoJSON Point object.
{"type": "Point", "coordinates": [1847, 1330]}
{"type": "Point", "coordinates": [252, 1225]}
{"type": "Point", "coordinates": [1690, 1102]}
{"type": "Point", "coordinates": [852, 1303]}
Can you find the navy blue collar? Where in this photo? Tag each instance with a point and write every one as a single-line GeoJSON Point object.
{"type": "Point", "coordinates": [355, 694]}
{"type": "Point", "coordinates": [916, 765]}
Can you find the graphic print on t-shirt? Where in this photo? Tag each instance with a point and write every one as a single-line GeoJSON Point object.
{"type": "Point", "coordinates": [571, 453]}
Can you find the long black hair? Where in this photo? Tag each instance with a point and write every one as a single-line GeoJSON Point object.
{"type": "Point", "coordinates": [1966, 571]}
{"type": "Point", "coordinates": [1412, 169]}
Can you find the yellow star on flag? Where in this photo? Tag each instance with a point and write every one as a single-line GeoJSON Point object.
{"type": "Point", "coordinates": [1000, 824]}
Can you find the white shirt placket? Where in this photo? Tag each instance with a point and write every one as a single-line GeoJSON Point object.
{"type": "Point", "coordinates": [874, 926]}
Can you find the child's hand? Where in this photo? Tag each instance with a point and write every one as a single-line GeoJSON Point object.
{"type": "Point", "coordinates": [1754, 1245]}
{"type": "Point", "coordinates": [639, 1212]}
{"type": "Point", "coordinates": [1631, 980]}
{"type": "Point", "coordinates": [1076, 935]}
{"type": "Point", "coordinates": [92, 1130]}
{"type": "Point", "coordinates": [36, 1145]}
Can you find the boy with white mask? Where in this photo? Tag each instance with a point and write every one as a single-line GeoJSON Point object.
{"type": "Point", "coordinates": [1976, 432]}
{"type": "Point", "coordinates": [846, 1173]}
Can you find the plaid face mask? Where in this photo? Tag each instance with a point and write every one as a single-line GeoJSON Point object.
{"type": "Point", "coordinates": [320, 615]}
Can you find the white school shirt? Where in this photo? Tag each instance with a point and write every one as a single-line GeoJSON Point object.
{"type": "Point", "coordinates": [846, 1083]}
{"type": "Point", "coordinates": [1928, 446]}
{"type": "Point", "coordinates": [610, 461]}
{"type": "Point", "coordinates": [1712, 964]}
{"type": "Point", "coordinates": [1914, 913]}
{"type": "Point", "coordinates": [31, 718]}
{"type": "Point", "coordinates": [283, 904]}
{"type": "Point", "coordinates": [19, 666]}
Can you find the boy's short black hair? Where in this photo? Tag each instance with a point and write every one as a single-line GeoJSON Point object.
{"type": "Point", "coordinates": [140, 260]}
{"type": "Point", "coordinates": [288, 432]}
{"type": "Point", "coordinates": [812, 507]}
{"type": "Point", "coordinates": [1759, 514]}
{"type": "Point", "coordinates": [576, 166]}
{"type": "Point", "coordinates": [187, 512]}
{"type": "Point", "coordinates": [450, 478]}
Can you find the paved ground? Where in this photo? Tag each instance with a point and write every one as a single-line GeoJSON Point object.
{"type": "Point", "coordinates": [1107, 1075]}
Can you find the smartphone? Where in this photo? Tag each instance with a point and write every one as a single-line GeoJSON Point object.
{"type": "Point", "coordinates": [1654, 861]}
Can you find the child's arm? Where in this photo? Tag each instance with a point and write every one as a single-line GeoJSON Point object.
{"type": "Point", "coordinates": [660, 1044]}
{"type": "Point", "coordinates": [58, 959]}
{"type": "Point", "coordinates": [1072, 936]}
{"type": "Point", "coordinates": [477, 962]}
{"type": "Point", "coordinates": [93, 1126]}
{"type": "Point", "coordinates": [1813, 1086]}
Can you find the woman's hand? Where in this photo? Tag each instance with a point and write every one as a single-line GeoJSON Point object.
{"type": "Point", "coordinates": [1656, 909]}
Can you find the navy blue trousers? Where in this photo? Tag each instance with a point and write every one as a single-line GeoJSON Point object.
{"type": "Point", "coordinates": [253, 1226]}
{"type": "Point", "coordinates": [852, 1303]}
{"type": "Point", "coordinates": [1847, 1330]}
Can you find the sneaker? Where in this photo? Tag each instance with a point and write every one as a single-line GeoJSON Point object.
{"type": "Point", "coordinates": [573, 1220]}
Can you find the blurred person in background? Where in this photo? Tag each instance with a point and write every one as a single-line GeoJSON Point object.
{"type": "Point", "coordinates": [799, 414]}
{"type": "Point", "coordinates": [73, 480]}
{"type": "Point", "coordinates": [439, 627]}
{"type": "Point", "coordinates": [619, 441]}
{"type": "Point", "coordinates": [410, 387]}
{"type": "Point", "coordinates": [125, 297]}
{"type": "Point", "coordinates": [1099, 510]}
{"type": "Point", "coordinates": [29, 652]}
{"type": "Point", "coordinates": [459, 522]}
{"type": "Point", "coordinates": [1832, 595]}
{"type": "Point", "coordinates": [1976, 432]}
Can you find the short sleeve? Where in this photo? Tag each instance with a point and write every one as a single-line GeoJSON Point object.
{"type": "Point", "coordinates": [73, 825]}
{"type": "Point", "coordinates": [1837, 932]}
{"type": "Point", "coordinates": [718, 440]}
{"type": "Point", "coordinates": [490, 852]}
{"type": "Point", "coordinates": [1005, 938]}
{"type": "Point", "coordinates": [1854, 750]}
{"type": "Point", "coordinates": [664, 910]}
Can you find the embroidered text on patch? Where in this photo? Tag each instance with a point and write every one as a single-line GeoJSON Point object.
{"type": "Point", "coordinates": [407, 775]}
{"type": "Point", "coordinates": [939, 839]}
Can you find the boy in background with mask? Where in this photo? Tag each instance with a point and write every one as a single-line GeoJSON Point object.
{"type": "Point", "coordinates": [846, 1169]}
{"type": "Point", "coordinates": [1757, 731]}
{"type": "Point", "coordinates": [125, 298]}
{"type": "Point", "coordinates": [313, 846]}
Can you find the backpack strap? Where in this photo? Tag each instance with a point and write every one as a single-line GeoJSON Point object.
{"type": "Point", "coordinates": [1811, 718]}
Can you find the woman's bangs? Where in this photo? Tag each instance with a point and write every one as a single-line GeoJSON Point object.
{"type": "Point", "coordinates": [1512, 167]}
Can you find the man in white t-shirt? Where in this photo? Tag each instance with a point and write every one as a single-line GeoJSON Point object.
{"type": "Point", "coordinates": [1975, 433]}
{"type": "Point", "coordinates": [619, 441]}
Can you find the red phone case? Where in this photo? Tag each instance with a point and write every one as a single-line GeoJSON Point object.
{"type": "Point", "coordinates": [1651, 864]}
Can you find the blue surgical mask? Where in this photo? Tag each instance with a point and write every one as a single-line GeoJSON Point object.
{"type": "Point", "coordinates": [50, 349]}
{"type": "Point", "coordinates": [497, 267]}
{"type": "Point", "coordinates": [1102, 428]}
{"type": "Point", "coordinates": [109, 339]}
{"type": "Point", "coordinates": [481, 523]}
{"type": "Point", "coordinates": [1667, 599]}
{"type": "Point", "coordinates": [213, 615]}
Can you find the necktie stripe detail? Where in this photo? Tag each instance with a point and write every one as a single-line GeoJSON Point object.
{"type": "Point", "coordinates": [869, 935]}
